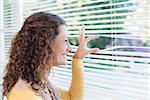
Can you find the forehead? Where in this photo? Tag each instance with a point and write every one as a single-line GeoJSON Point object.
{"type": "Point", "coordinates": [63, 32]}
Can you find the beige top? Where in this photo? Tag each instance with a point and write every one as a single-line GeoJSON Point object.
{"type": "Point", "coordinates": [75, 92]}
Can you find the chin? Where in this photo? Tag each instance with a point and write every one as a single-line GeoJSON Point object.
{"type": "Point", "coordinates": [61, 61]}
{"type": "Point", "coordinates": [64, 63]}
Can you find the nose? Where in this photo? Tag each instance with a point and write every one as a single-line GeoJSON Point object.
{"type": "Point", "coordinates": [69, 48]}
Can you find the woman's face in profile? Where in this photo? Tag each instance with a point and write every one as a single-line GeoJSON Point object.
{"type": "Point", "coordinates": [61, 46]}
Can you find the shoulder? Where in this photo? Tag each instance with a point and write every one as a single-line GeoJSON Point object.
{"type": "Point", "coordinates": [23, 94]}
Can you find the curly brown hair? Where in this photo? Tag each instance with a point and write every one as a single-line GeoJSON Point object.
{"type": "Point", "coordinates": [31, 50]}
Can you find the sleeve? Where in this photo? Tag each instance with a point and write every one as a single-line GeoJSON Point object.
{"type": "Point", "coordinates": [76, 90]}
{"type": "Point", "coordinates": [23, 95]}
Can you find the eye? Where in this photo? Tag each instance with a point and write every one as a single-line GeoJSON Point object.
{"type": "Point", "coordinates": [66, 40]}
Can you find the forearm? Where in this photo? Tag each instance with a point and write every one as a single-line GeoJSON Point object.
{"type": "Point", "coordinates": [76, 89]}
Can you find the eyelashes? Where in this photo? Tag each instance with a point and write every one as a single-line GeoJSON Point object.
{"type": "Point", "coordinates": [67, 41]}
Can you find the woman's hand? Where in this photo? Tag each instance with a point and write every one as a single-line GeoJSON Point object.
{"type": "Point", "coordinates": [83, 51]}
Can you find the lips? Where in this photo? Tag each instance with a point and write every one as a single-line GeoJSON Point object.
{"type": "Point", "coordinates": [65, 55]}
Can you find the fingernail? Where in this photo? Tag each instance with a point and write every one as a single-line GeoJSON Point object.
{"type": "Point", "coordinates": [83, 26]}
{"type": "Point", "coordinates": [98, 49]}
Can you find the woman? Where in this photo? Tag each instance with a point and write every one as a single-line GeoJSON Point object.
{"type": "Point", "coordinates": [41, 44]}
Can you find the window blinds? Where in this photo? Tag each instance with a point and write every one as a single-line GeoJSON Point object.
{"type": "Point", "coordinates": [121, 70]}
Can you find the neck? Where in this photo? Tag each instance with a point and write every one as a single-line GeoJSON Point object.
{"type": "Point", "coordinates": [21, 84]}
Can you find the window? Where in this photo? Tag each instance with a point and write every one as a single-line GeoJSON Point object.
{"type": "Point", "coordinates": [121, 70]}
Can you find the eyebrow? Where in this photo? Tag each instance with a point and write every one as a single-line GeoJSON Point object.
{"type": "Point", "coordinates": [67, 36]}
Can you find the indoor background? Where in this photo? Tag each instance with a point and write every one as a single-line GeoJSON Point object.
{"type": "Point", "coordinates": [121, 70]}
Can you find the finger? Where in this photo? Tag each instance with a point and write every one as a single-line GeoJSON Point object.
{"type": "Point", "coordinates": [80, 35]}
{"type": "Point", "coordinates": [93, 50]}
{"type": "Point", "coordinates": [83, 31]}
{"type": "Point", "coordinates": [90, 38]}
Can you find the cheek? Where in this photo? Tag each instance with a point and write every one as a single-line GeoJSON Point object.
{"type": "Point", "coordinates": [61, 49]}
